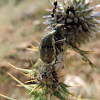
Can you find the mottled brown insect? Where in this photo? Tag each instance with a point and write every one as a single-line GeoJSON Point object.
{"type": "Point", "coordinates": [47, 51]}
{"type": "Point", "coordinates": [52, 44]}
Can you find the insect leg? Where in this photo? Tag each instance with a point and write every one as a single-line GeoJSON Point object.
{"type": "Point", "coordinates": [62, 40]}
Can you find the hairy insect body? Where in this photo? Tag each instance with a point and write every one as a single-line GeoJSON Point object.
{"type": "Point", "coordinates": [60, 32]}
{"type": "Point", "coordinates": [47, 49]}
{"type": "Point", "coordinates": [52, 44]}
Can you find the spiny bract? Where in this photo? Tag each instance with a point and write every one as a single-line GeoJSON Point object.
{"type": "Point", "coordinates": [79, 21]}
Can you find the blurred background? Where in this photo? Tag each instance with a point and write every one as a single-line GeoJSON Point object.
{"type": "Point", "coordinates": [21, 21]}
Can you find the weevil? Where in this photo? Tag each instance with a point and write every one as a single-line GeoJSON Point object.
{"type": "Point", "coordinates": [51, 45]}
{"type": "Point", "coordinates": [47, 51]}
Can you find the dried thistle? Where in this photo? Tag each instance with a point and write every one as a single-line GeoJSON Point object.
{"type": "Point", "coordinates": [77, 18]}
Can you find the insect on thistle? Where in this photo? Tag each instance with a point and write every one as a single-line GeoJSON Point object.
{"type": "Point", "coordinates": [47, 49]}
{"type": "Point", "coordinates": [50, 46]}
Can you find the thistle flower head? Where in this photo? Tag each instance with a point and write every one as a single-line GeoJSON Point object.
{"type": "Point", "coordinates": [78, 20]}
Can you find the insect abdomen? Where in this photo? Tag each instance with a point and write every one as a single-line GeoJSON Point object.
{"type": "Point", "coordinates": [47, 50]}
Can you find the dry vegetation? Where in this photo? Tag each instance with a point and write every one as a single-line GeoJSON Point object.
{"type": "Point", "coordinates": [19, 23]}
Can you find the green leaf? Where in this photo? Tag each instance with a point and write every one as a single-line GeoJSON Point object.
{"type": "Point", "coordinates": [25, 86]}
{"type": "Point", "coordinates": [83, 54]}
{"type": "Point", "coordinates": [23, 70]}
{"type": "Point", "coordinates": [6, 97]}
{"type": "Point", "coordinates": [63, 92]}
{"type": "Point", "coordinates": [58, 94]}
{"type": "Point", "coordinates": [64, 89]}
{"type": "Point", "coordinates": [65, 84]}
